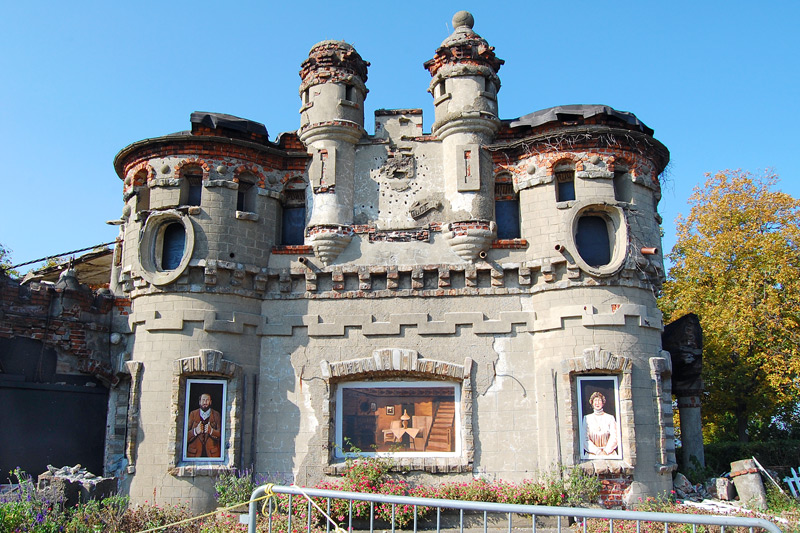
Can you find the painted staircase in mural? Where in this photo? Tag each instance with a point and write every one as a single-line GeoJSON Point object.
{"type": "Point", "coordinates": [441, 434]}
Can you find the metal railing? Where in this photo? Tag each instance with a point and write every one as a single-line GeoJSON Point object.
{"type": "Point", "coordinates": [579, 516]}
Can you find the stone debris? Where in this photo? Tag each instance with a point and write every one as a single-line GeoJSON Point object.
{"type": "Point", "coordinates": [747, 479]}
{"type": "Point", "coordinates": [73, 473]}
{"type": "Point", "coordinates": [72, 485]}
{"type": "Point", "coordinates": [686, 491]}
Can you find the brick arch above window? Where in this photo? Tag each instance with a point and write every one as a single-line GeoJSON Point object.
{"type": "Point", "coordinates": [141, 174]}
{"type": "Point", "coordinates": [181, 167]}
{"type": "Point", "coordinates": [623, 162]}
{"type": "Point", "coordinates": [573, 161]}
{"type": "Point", "coordinates": [597, 359]}
{"type": "Point", "coordinates": [293, 182]}
{"type": "Point", "coordinates": [245, 171]}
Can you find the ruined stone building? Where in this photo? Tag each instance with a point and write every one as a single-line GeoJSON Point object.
{"type": "Point", "coordinates": [455, 298]}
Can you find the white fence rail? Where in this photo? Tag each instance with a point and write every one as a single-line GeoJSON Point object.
{"type": "Point", "coordinates": [530, 513]}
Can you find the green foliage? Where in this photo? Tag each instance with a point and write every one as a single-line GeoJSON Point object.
{"type": "Point", "coordinates": [737, 266]}
{"type": "Point", "coordinates": [773, 454]}
{"type": "Point", "coordinates": [782, 503]}
{"type": "Point", "coordinates": [234, 486]}
{"type": "Point", "coordinates": [667, 505]}
{"type": "Point", "coordinates": [142, 517]}
{"type": "Point", "coordinates": [5, 262]}
{"type": "Point", "coordinates": [26, 509]}
{"type": "Point", "coordinates": [571, 487]}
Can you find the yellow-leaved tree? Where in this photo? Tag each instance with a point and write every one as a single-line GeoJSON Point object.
{"type": "Point", "coordinates": [736, 265]}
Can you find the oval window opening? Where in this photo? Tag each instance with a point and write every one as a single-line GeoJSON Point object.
{"type": "Point", "coordinates": [173, 245]}
{"type": "Point", "coordinates": [592, 240]}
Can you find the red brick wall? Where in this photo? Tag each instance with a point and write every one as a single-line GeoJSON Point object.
{"type": "Point", "coordinates": [73, 322]}
{"type": "Point", "coordinates": [613, 488]}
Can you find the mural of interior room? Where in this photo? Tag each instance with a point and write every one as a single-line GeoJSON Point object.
{"type": "Point", "coordinates": [399, 419]}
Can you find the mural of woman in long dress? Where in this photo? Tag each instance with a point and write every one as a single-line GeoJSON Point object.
{"type": "Point", "coordinates": [600, 432]}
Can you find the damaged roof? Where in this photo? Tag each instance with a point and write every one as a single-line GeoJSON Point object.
{"type": "Point", "coordinates": [566, 113]}
{"type": "Point", "coordinates": [222, 120]}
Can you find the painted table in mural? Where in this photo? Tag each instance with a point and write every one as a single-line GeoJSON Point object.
{"type": "Point", "coordinates": [399, 432]}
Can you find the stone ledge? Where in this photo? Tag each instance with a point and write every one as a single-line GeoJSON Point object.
{"type": "Point", "coordinates": [199, 470]}
{"type": "Point", "coordinates": [336, 325]}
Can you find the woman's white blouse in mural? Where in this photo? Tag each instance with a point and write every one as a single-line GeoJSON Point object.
{"type": "Point", "coordinates": [600, 429]}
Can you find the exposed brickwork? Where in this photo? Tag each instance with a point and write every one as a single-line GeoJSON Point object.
{"type": "Point", "coordinates": [74, 322]}
{"type": "Point", "coordinates": [277, 158]}
{"type": "Point", "coordinates": [423, 235]}
{"type": "Point", "coordinates": [293, 249]}
{"type": "Point", "coordinates": [613, 489]}
{"type": "Point", "coordinates": [510, 244]}
{"type": "Point", "coordinates": [250, 169]}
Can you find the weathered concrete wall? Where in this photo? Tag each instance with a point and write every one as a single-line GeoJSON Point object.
{"type": "Point", "coordinates": [407, 283]}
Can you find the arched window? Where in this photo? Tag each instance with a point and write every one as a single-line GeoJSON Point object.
{"type": "Point", "coordinates": [506, 208]}
{"type": "Point", "coordinates": [565, 182]}
{"type": "Point", "coordinates": [593, 240]}
{"type": "Point", "coordinates": [192, 186]}
{"type": "Point", "coordinates": [173, 244]}
{"type": "Point", "coordinates": [247, 193]}
{"type": "Point", "coordinates": [293, 219]}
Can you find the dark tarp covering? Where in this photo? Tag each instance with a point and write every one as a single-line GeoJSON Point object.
{"type": "Point", "coordinates": [221, 120]}
{"type": "Point", "coordinates": [571, 112]}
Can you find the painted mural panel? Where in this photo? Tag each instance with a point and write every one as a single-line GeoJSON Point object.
{"type": "Point", "coordinates": [204, 424]}
{"type": "Point", "coordinates": [598, 400]}
{"type": "Point", "coordinates": [400, 418]}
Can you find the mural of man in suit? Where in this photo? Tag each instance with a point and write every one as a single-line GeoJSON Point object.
{"type": "Point", "coordinates": [204, 430]}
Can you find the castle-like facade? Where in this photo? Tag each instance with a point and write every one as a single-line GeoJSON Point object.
{"type": "Point", "coordinates": [477, 300]}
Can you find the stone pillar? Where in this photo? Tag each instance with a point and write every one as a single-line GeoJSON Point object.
{"type": "Point", "coordinates": [691, 431]}
{"type": "Point", "coordinates": [332, 91]}
{"type": "Point", "coordinates": [464, 86]}
{"type": "Point", "coordinates": [748, 484]}
{"type": "Point", "coordinates": [683, 339]}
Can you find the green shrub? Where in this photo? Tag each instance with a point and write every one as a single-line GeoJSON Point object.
{"type": "Point", "coordinates": [778, 454]}
{"type": "Point", "coordinates": [234, 486]}
{"type": "Point", "coordinates": [148, 516]}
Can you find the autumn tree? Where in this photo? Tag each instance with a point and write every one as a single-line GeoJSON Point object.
{"type": "Point", "coordinates": [5, 262]}
{"type": "Point", "coordinates": [737, 266]}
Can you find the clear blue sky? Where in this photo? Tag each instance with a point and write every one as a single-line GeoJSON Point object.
{"type": "Point", "coordinates": [717, 81]}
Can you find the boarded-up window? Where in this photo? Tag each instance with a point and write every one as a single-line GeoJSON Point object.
{"type": "Point", "coordinates": [593, 241]}
{"type": "Point", "coordinates": [173, 244]}
{"type": "Point", "coordinates": [565, 185]}
{"type": "Point", "coordinates": [293, 220]}
{"type": "Point", "coordinates": [506, 210]}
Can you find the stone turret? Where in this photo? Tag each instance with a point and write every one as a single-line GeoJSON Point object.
{"type": "Point", "coordinates": [332, 122]}
{"type": "Point", "coordinates": [464, 86]}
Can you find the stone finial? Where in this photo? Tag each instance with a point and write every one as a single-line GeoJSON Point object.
{"type": "Point", "coordinates": [464, 47]}
{"type": "Point", "coordinates": [463, 18]}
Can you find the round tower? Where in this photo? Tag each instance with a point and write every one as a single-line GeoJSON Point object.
{"type": "Point", "coordinates": [200, 220]}
{"type": "Point", "coordinates": [332, 92]}
{"type": "Point", "coordinates": [464, 86]}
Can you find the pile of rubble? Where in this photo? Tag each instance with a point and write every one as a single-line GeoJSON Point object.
{"type": "Point", "coordinates": [743, 482]}
{"type": "Point", "coordinates": [72, 485]}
